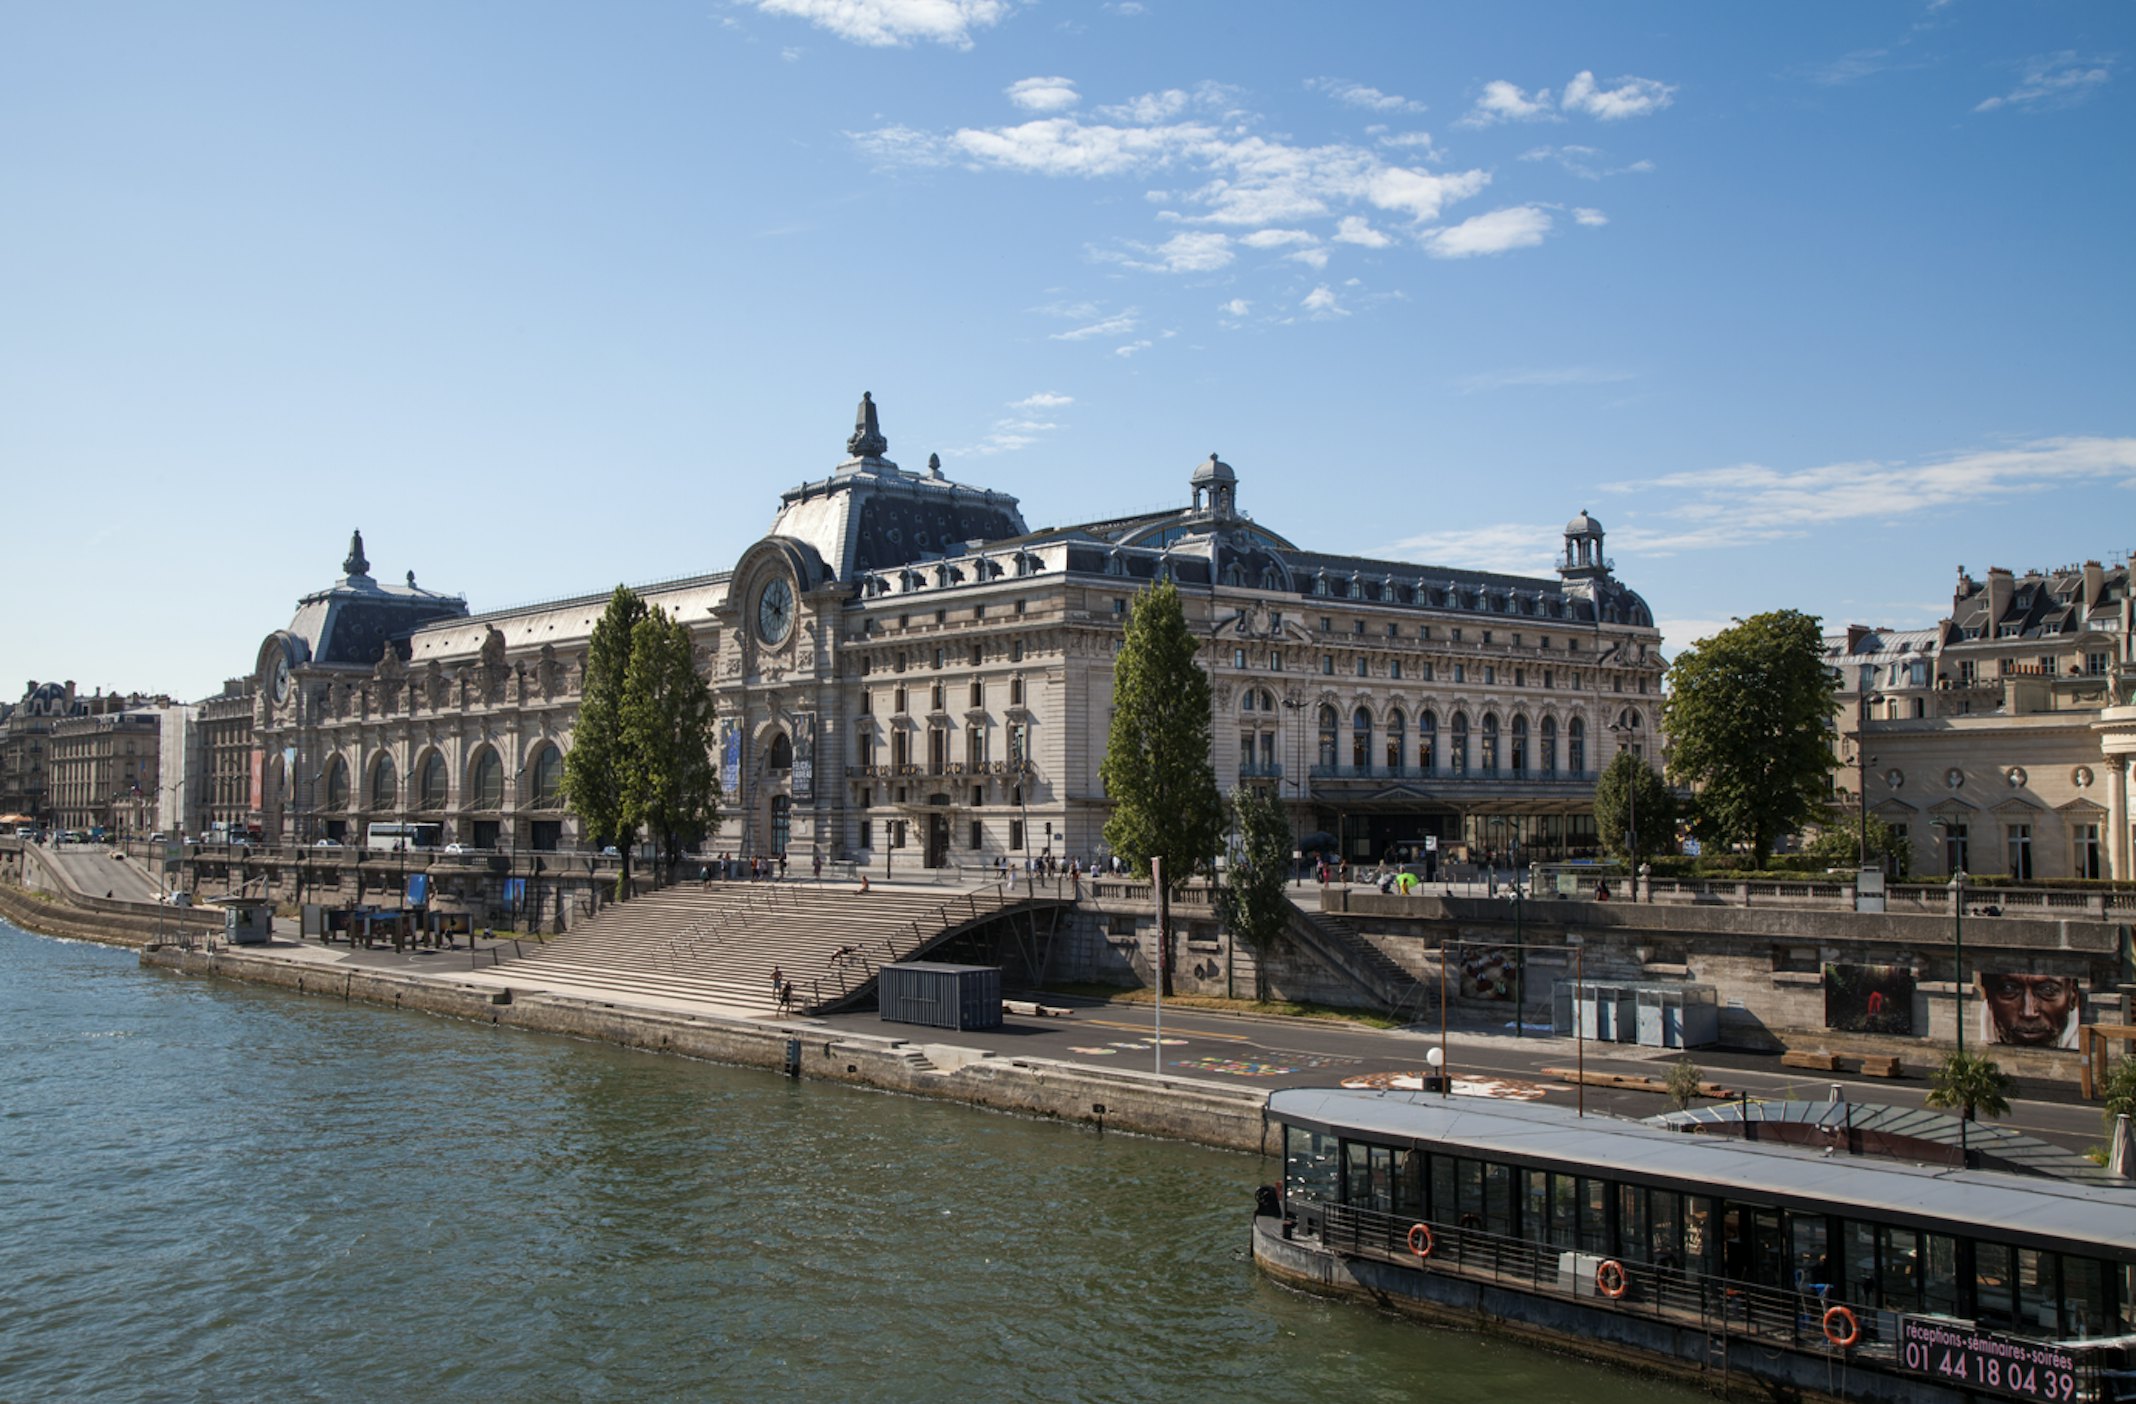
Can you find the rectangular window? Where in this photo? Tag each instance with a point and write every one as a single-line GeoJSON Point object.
{"type": "Point", "coordinates": [1327, 665]}
{"type": "Point", "coordinates": [1461, 672]}
{"type": "Point", "coordinates": [1490, 673]}
{"type": "Point", "coordinates": [1016, 651]}
{"type": "Point", "coordinates": [2086, 848]}
{"type": "Point", "coordinates": [1425, 671]}
{"type": "Point", "coordinates": [1394, 670]}
{"type": "Point", "coordinates": [2018, 848]}
{"type": "Point", "coordinates": [1364, 669]}
{"type": "Point", "coordinates": [866, 834]}
{"type": "Point", "coordinates": [978, 834]}
{"type": "Point", "coordinates": [1394, 631]}
{"type": "Point", "coordinates": [897, 833]}
{"type": "Point", "coordinates": [2098, 663]}
{"type": "Point", "coordinates": [1275, 660]}
{"type": "Point", "coordinates": [978, 693]}
{"type": "Point", "coordinates": [1016, 842]}
{"type": "Point", "coordinates": [1520, 677]}
{"type": "Point", "coordinates": [1238, 658]}
{"type": "Point", "coordinates": [867, 703]}
{"type": "Point", "coordinates": [1327, 626]}
{"type": "Point", "coordinates": [1119, 609]}
{"type": "Point", "coordinates": [1455, 635]}
{"type": "Point", "coordinates": [1548, 684]}
{"type": "Point", "coordinates": [978, 655]}
{"type": "Point", "coordinates": [1359, 626]}
{"type": "Point", "coordinates": [1424, 631]}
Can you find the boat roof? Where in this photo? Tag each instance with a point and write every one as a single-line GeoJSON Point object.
{"type": "Point", "coordinates": [2028, 1210]}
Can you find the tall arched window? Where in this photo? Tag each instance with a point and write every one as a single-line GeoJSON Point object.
{"type": "Point", "coordinates": [1361, 739]}
{"type": "Point", "coordinates": [385, 784]}
{"type": "Point", "coordinates": [485, 781]}
{"type": "Point", "coordinates": [1549, 745]}
{"type": "Point", "coordinates": [1520, 747]}
{"type": "Point", "coordinates": [1457, 746]}
{"type": "Point", "coordinates": [337, 785]}
{"type": "Point", "coordinates": [1427, 740]}
{"type": "Point", "coordinates": [1490, 743]}
{"type": "Point", "coordinates": [548, 772]}
{"type": "Point", "coordinates": [1576, 747]}
{"type": "Point", "coordinates": [782, 753]}
{"type": "Point", "coordinates": [430, 782]}
{"type": "Point", "coordinates": [1395, 739]}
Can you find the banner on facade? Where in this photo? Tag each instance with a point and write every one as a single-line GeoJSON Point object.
{"type": "Point", "coordinates": [730, 763]}
{"type": "Point", "coordinates": [2030, 1011]}
{"type": "Point", "coordinates": [804, 777]}
{"type": "Point", "coordinates": [1874, 999]}
{"type": "Point", "coordinates": [418, 889]}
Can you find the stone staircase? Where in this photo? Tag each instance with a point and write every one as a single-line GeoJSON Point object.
{"type": "Point", "coordinates": [1339, 946]}
{"type": "Point", "coordinates": [719, 942]}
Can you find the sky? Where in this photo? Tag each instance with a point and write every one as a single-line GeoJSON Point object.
{"type": "Point", "coordinates": [1811, 305]}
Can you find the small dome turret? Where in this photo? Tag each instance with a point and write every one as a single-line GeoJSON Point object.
{"type": "Point", "coordinates": [1215, 487]}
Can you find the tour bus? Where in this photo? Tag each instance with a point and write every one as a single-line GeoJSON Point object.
{"type": "Point", "coordinates": [397, 838]}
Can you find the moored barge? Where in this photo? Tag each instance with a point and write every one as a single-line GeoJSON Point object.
{"type": "Point", "coordinates": [1771, 1270]}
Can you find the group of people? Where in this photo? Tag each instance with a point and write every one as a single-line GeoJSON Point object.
{"type": "Point", "coordinates": [728, 868]}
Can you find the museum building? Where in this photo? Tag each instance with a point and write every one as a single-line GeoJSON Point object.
{"type": "Point", "coordinates": [906, 674]}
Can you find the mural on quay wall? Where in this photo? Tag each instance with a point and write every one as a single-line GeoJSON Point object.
{"type": "Point", "coordinates": [2030, 1011]}
{"type": "Point", "coordinates": [1488, 974]}
{"type": "Point", "coordinates": [1875, 999]}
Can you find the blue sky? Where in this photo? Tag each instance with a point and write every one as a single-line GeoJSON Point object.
{"type": "Point", "coordinates": [1810, 304]}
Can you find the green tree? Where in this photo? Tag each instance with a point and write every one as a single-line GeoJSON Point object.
{"type": "Point", "coordinates": [593, 768]}
{"type": "Point", "coordinates": [1254, 903]}
{"type": "Point", "coordinates": [1685, 1079]}
{"type": "Point", "coordinates": [2119, 1092]}
{"type": "Point", "coordinates": [1749, 720]}
{"type": "Point", "coordinates": [1632, 798]}
{"type": "Point", "coordinates": [1839, 842]}
{"type": "Point", "coordinates": [669, 785]}
{"type": "Point", "coordinates": [1970, 1083]}
{"type": "Point", "coordinates": [1156, 769]}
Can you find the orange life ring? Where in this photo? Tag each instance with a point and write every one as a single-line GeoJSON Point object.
{"type": "Point", "coordinates": [1610, 1280]}
{"type": "Point", "coordinates": [1851, 1329]}
{"type": "Point", "coordinates": [1420, 1240]}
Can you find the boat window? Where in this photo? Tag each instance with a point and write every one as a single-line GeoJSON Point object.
{"type": "Point", "coordinates": [1594, 1215]}
{"type": "Point", "coordinates": [1443, 1205]}
{"type": "Point", "coordinates": [1813, 1263]}
{"type": "Point", "coordinates": [1409, 1184]}
{"type": "Point", "coordinates": [1564, 1210]}
{"type": "Point", "coordinates": [1701, 1244]}
{"type": "Point", "coordinates": [2035, 1289]}
{"type": "Point", "coordinates": [2084, 1305]}
{"type": "Point", "coordinates": [1498, 1198]}
{"type": "Point", "coordinates": [1633, 1238]}
{"type": "Point", "coordinates": [1857, 1241]}
{"type": "Point", "coordinates": [1939, 1274]}
{"type": "Point", "coordinates": [1371, 1176]}
{"type": "Point", "coordinates": [1994, 1286]}
{"type": "Point", "coordinates": [1899, 1280]}
{"type": "Point", "coordinates": [1666, 1209]}
{"type": "Point", "coordinates": [1309, 1164]}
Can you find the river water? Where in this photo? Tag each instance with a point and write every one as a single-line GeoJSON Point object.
{"type": "Point", "coordinates": [209, 1191]}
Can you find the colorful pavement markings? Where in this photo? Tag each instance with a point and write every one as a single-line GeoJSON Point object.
{"type": "Point", "coordinates": [1254, 1067]}
{"type": "Point", "coordinates": [1504, 1088]}
{"type": "Point", "coordinates": [1131, 1045]}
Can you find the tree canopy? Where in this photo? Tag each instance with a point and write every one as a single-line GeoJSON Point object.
{"type": "Point", "coordinates": [1255, 905]}
{"type": "Point", "coordinates": [1632, 799]}
{"type": "Point", "coordinates": [1156, 769]}
{"type": "Point", "coordinates": [593, 768]}
{"type": "Point", "coordinates": [1971, 1084]}
{"type": "Point", "coordinates": [668, 781]}
{"type": "Point", "coordinates": [1749, 720]}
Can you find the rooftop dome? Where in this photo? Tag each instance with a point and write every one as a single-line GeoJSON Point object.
{"type": "Point", "coordinates": [1214, 471]}
{"type": "Point", "coordinates": [1583, 525]}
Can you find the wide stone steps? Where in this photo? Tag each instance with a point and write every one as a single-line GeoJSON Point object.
{"type": "Point", "coordinates": [719, 942]}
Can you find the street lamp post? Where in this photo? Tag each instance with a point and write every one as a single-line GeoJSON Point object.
{"type": "Point", "coordinates": [1862, 761]}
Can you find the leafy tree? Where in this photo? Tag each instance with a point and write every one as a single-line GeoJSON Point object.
{"type": "Point", "coordinates": [593, 768]}
{"type": "Point", "coordinates": [1685, 1078]}
{"type": "Point", "coordinates": [1632, 798]}
{"type": "Point", "coordinates": [1971, 1083]}
{"type": "Point", "coordinates": [1839, 842]}
{"type": "Point", "coordinates": [2119, 1092]}
{"type": "Point", "coordinates": [1749, 720]}
{"type": "Point", "coordinates": [669, 784]}
{"type": "Point", "coordinates": [1254, 903]}
{"type": "Point", "coordinates": [1156, 769]}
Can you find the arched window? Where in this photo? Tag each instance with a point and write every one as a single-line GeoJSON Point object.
{"type": "Point", "coordinates": [485, 781]}
{"type": "Point", "coordinates": [1249, 700]}
{"type": "Point", "coordinates": [782, 753]}
{"type": "Point", "coordinates": [430, 782]}
{"type": "Point", "coordinates": [1327, 737]}
{"type": "Point", "coordinates": [1394, 740]}
{"type": "Point", "coordinates": [1268, 700]}
{"type": "Point", "coordinates": [1549, 745]}
{"type": "Point", "coordinates": [337, 785]}
{"type": "Point", "coordinates": [1490, 743]}
{"type": "Point", "coordinates": [1520, 747]}
{"type": "Point", "coordinates": [385, 784]}
{"type": "Point", "coordinates": [1457, 745]}
{"type": "Point", "coordinates": [548, 771]}
{"type": "Point", "coordinates": [1361, 739]}
{"type": "Point", "coordinates": [1576, 747]}
{"type": "Point", "coordinates": [1427, 740]}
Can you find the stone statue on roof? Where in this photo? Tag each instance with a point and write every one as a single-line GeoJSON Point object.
{"type": "Point", "coordinates": [867, 440]}
{"type": "Point", "coordinates": [355, 564]}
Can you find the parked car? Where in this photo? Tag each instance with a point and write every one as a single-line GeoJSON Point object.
{"type": "Point", "coordinates": [327, 843]}
{"type": "Point", "coordinates": [455, 850]}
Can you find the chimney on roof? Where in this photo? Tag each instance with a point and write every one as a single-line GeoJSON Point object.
{"type": "Point", "coordinates": [1855, 634]}
{"type": "Point", "coordinates": [2001, 588]}
{"type": "Point", "coordinates": [2094, 581]}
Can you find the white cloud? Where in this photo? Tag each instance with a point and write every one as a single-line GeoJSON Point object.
{"type": "Point", "coordinates": [1070, 146]}
{"type": "Point", "coordinates": [1196, 252]}
{"type": "Point", "coordinates": [1583, 161]}
{"type": "Point", "coordinates": [1276, 238]}
{"type": "Point", "coordinates": [1358, 95]}
{"type": "Point", "coordinates": [1593, 219]}
{"type": "Point", "coordinates": [1311, 258]}
{"type": "Point", "coordinates": [1126, 7]}
{"type": "Point", "coordinates": [1632, 97]}
{"type": "Point", "coordinates": [1118, 325]}
{"type": "Point", "coordinates": [1043, 94]}
{"type": "Point", "coordinates": [902, 146]}
{"type": "Point", "coordinates": [1321, 303]}
{"type": "Point", "coordinates": [1421, 194]}
{"type": "Point", "coordinates": [1044, 399]}
{"type": "Point", "coordinates": [1515, 548]}
{"type": "Point", "coordinates": [1683, 633]}
{"type": "Point", "coordinates": [886, 23]}
{"type": "Point", "coordinates": [1503, 102]}
{"type": "Point", "coordinates": [1132, 347]}
{"type": "Point", "coordinates": [1515, 227]}
{"type": "Point", "coordinates": [1550, 376]}
{"type": "Point", "coordinates": [1750, 503]}
{"type": "Point", "coordinates": [1406, 141]}
{"type": "Point", "coordinates": [2054, 80]}
{"type": "Point", "coordinates": [1149, 108]}
{"type": "Point", "coordinates": [790, 54]}
{"type": "Point", "coordinates": [1237, 307]}
{"type": "Point", "coordinates": [1356, 229]}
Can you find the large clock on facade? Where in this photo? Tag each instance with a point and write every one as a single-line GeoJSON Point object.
{"type": "Point", "coordinates": [281, 680]}
{"type": "Point", "coordinates": [775, 611]}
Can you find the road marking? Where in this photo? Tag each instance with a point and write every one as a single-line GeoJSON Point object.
{"type": "Point", "coordinates": [1144, 1028]}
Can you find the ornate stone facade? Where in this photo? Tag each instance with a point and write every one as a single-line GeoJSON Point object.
{"type": "Point", "coordinates": [907, 674]}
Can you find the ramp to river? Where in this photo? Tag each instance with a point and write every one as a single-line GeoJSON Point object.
{"type": "Point", "coordinates": [719, 942]}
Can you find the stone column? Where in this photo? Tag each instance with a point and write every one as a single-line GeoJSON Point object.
{"type": "Point", "coordinates": [2118, 864]}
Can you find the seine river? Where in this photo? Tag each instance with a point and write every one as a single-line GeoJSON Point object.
{"type": "Point", "coordinates": [214, 1192]}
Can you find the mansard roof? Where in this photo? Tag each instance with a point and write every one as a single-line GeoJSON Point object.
{"type": "Point", "coordinates": [349, 623]}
